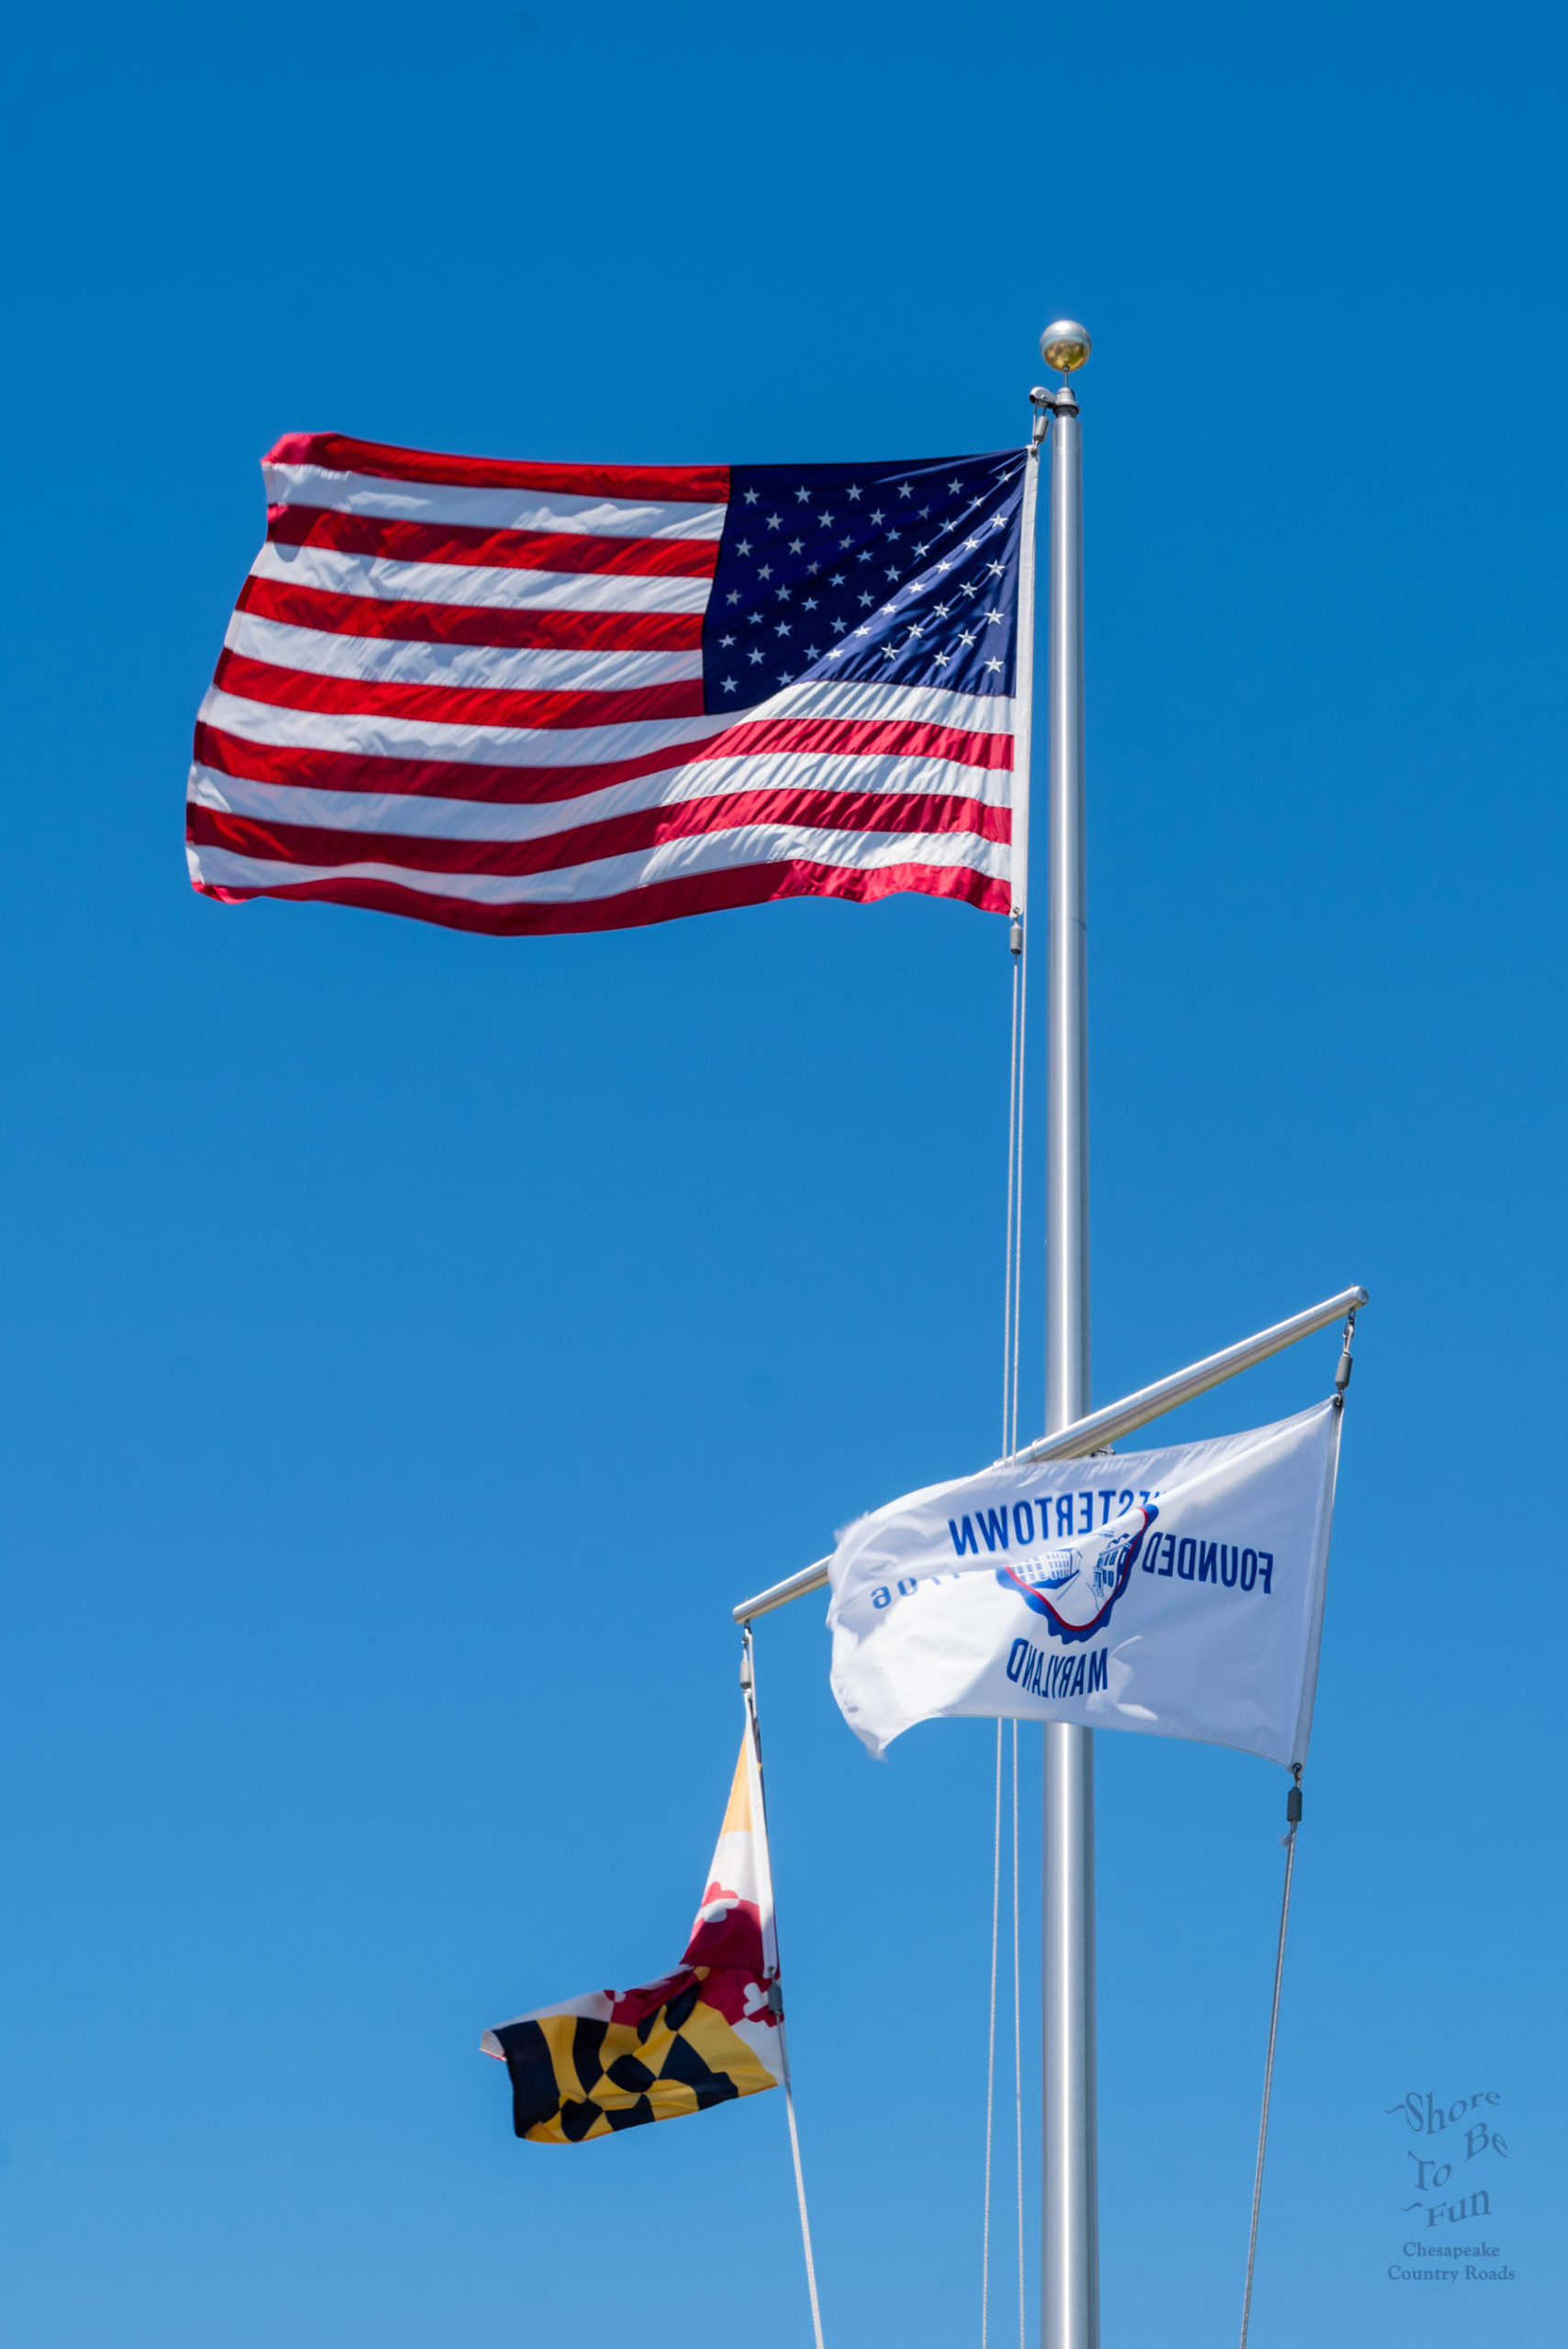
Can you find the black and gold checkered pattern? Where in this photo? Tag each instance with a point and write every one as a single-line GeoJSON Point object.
{"type": "Point", "coordinates": [574, 2076]}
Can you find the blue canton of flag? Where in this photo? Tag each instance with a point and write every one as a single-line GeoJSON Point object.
{"type": "Point", "coordinates": [906, 572]}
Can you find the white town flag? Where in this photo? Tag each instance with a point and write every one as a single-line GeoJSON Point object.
{"type": "Point", "coordinates": [1177, 1592]}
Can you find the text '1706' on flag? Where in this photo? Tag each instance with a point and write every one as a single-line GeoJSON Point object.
{"type": "Point", "coordinates": [525, 697]}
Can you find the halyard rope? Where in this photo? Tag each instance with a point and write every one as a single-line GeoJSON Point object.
{"type": "Point", "coordinates": [800, 2187]}
{"type": "Point", "coordinates": [1289, 1841]}
{"type": "Point", "coordinates": [1012, 1278]}
{"type": "Point", "coordinates": [749, 1685]}
{"type": "Point", "coordinates": [1018, 2042]}
{"type": "Point", "coordinates": [1012, 1300]}
{"type": "Point", "coordinates": [1016, 1186]}
{"type": "Point", "coordinates": [1292, 1820]}
{"type": "Point", "coordinates": [991, 2056]}
{"type": "Point", "coordinates": [991, 2046]}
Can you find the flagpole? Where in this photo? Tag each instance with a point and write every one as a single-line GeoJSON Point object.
{"type": "Point", "coordinates": [1070, 2252]}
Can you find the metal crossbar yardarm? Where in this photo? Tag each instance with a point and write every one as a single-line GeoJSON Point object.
{"type": "Point", "coordinates": [1104, 1427]}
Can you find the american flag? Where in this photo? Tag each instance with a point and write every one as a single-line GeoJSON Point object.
{"type": "Point", "coordinates": [526, 697]}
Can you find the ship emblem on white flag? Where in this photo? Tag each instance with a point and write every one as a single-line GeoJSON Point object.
{"type": "Point", "coordinates": [1076, 1587]}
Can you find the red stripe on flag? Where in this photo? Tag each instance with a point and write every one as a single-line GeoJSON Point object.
{"type": "Point", "coordinates": [694, 485]}
{"type": "Point", "coordinates": [323, 770]}
{"type": "Point", "coordinates": [644, 828]}
{"type": "Point", "coordinates": [504, 626]}
{"type": "Point", "coordinates": [451, 705]}
{"type": "Point", "coordinates": [476, 543]}
{"type": "Point", "coordinates": [696, 893]}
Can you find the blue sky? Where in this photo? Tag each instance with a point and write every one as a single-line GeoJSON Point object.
{"type": "Point", "coordinates": [415, 1344]}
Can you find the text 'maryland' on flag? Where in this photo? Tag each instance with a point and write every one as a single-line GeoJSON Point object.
{"type": "Point", "coordinates": [1178, 1592]}
{"type": "Point", "coordinates": [704, 2035]}
{"type": "Point", "coordinates": [528, 697]}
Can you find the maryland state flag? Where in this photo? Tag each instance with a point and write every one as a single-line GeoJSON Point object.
{"type": "Point", "coordinates": [700, 2036]}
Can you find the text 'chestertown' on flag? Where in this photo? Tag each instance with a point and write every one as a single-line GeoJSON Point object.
{"type": "Point", "coordinates": [525, 697]}
{"type": "Point", "coordinates": [704, 2035]}
{"type": "Point", "coordinates": [1177, 1592]}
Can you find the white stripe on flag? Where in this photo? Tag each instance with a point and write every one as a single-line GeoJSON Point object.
{"type": "Point", "coordinates": [483, 584]}
{"type": "Point", "coordinates": [494, 509]}
{"type": "Point", "coordinates": [417, 816]}
{"type": "Point", "coordinates": [831, 698]}
{"type": "Point", "coordinates": [481, 668]}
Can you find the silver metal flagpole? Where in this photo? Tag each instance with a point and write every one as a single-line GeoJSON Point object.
{"type": "Point", "coordinates": [1070, 2248]}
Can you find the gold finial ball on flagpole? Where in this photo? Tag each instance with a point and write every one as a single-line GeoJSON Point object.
{"type": "Point", "coordinates": [1065, 345]}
